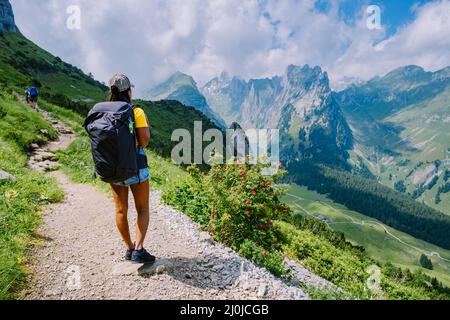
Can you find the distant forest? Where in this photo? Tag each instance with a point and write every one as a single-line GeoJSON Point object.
{"type": "Point", "coordinates": [375, 200]}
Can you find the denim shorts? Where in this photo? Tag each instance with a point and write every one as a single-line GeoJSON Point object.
{"type": "Point", "coordinates": [144, 175]}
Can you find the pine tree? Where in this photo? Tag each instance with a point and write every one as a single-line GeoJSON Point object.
{"type": "Point", "coordinates": [426, 262]}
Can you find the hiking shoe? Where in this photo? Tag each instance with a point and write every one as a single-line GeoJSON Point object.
{"type": "Point", "coordinates": [142, 256]}
{"type": "Point", "coordinates": [128, 254]}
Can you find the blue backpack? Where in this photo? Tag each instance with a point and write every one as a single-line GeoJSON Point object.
{"type": "Point", "coordinates": [33, 92]}
{"type": "Point", "coordinates": [110, 126]}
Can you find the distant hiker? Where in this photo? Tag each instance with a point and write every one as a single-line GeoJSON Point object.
{"type": "Point", "coordinates": [119, 132]}
{"type": "Point", "coordinates": [32, 94]}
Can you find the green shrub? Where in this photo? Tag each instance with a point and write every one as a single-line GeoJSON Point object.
{"type": "Point", "coordinates": [238, 206]}
{"type": "Point", "coordinates": [244, 205]}
{"type": "Point", "coordinates": [189, 197]}
{"type": "Point", "coordinates": [341, 266]}
{"type": "Point", "coordinates": [235, 201]}
{"type": "Point", "coordinates": [272, 261]}
{"type": "Point", "coordinates": [426, 262]}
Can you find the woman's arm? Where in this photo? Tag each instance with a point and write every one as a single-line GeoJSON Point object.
{"type": "Point", "coordinates": [143, 137]}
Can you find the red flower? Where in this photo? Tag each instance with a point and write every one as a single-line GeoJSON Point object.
{"type": "Point", "coordinates": [248, 212]}
{"type": "Point", "coordinates": [248, 202]}
{"type": "Point", "coordinates": [254, 193]}
{"type": "Point", "coordinates": [216, 177]}
{"type": "Point", "coordinates": [270, 223]}
{"type": "Point", "coordinates": [261, 226]}
{"type": "Point", "coordinates": [264, 252]}
{"type": "Point", "coordinates": [241, 172]}
{"type": "Point", "coordinates": [286, 211]}
{"type": "Point", "coordinates": [262, 184]}
{"type": "Point", "coordinates": [257, 244]}
{"type": "Point", "coordinates": [268, 184]}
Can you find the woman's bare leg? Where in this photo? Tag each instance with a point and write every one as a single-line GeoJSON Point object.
{"type": "Point", "coordinates": [141, 193]}
{"type": "Point", "coordinates": [121, 201]}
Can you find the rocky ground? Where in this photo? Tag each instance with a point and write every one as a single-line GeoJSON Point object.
{"type": "Point", "coordinates": [81, 253]}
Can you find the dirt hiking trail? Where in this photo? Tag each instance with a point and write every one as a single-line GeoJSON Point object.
{"type": "Point", "coordinates": [81, 255]}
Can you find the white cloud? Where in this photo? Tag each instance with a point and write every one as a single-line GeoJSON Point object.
{"type": "Point", "coordinates": [149, 40]}
{"type": "Point", "coordinates": [424, 42]}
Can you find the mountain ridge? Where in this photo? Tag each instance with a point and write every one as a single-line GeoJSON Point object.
{"type": "Point", "coordinates": [400, 123]}
{"type": "Point", "coordinates": [183, 88]}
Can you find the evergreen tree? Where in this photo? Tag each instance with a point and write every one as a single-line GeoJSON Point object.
{"type": "Point", "coordinates": [426, 262]}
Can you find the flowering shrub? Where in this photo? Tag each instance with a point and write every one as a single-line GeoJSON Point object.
{"type": "Point", "coordinates": [244, 206]}
{"type": "Point", "coordinates": [235, 202]}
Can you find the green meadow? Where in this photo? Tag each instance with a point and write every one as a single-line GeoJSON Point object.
{"type": "Point", "coordinates": [381, 242]}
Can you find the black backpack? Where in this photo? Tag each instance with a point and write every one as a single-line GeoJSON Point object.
{"type": "Point", "coordinates": [110, 126]}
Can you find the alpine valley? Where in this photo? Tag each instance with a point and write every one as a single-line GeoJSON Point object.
{"type": "Point", "coordinates": [381, 148]}
{"type": "Point", "coordinates": [393, 129]}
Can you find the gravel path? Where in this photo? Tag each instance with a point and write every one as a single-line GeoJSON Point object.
{"type": "Point", "coordinates": [80, 235]}
{"type": "Point", "coordinates": [81, 256]}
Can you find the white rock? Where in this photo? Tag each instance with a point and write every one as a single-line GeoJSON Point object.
{"type": "Point", "coordinates": [129, 269]}
{"type": "Point", "coordinates": [126, 269]}
{"type": "Point", "coordinates": [262, 290]}
{"type": "Point", "coordinates": [6, 176]}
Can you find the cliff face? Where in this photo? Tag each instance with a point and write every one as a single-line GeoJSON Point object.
{"type": "Point", "coordinates": [299, 103]}
{"type": "Point", "coordinates": [7, 17]}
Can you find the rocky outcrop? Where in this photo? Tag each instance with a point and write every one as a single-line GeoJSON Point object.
{"type": "Point", "coordinates": [6, 176]}
{"type": "Point", "coordinates": [7, 17]}
{"type": "Point", "coordinates": [299, 103]}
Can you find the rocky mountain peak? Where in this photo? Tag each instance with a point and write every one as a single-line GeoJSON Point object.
{"type": "Point", "coordinates": [7, 17]}
{"type": "Point", "coordinates": [182, 77]}
{"type": "Point", "coordinates": [307, 77]}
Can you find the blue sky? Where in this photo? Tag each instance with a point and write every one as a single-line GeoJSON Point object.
{"type": "Point", "coordinates": [151, 39]}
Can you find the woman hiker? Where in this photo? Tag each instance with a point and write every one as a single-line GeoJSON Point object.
{"type": "Point", "coordinates": [117, 130]}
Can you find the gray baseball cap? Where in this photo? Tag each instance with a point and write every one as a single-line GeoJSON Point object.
{"type": "Point", "coordinates": [121, 82]}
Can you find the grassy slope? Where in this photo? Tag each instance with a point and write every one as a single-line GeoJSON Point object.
{"type": "Point", "coordinates": [371, 236]}
{"type": "Point", "coordinates": [418, 133]}
{"type": "Point", "coordinates": [22, 199]}
{"type": "Point", "coordinates": [426, 128]}
{"type": "Point", "coordinates": [22, 63]}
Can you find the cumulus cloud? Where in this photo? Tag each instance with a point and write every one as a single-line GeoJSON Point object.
{"type": "Point", "coordinates": [149, 40]}
{"type": "Point", "coordinates": [424, 42]}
